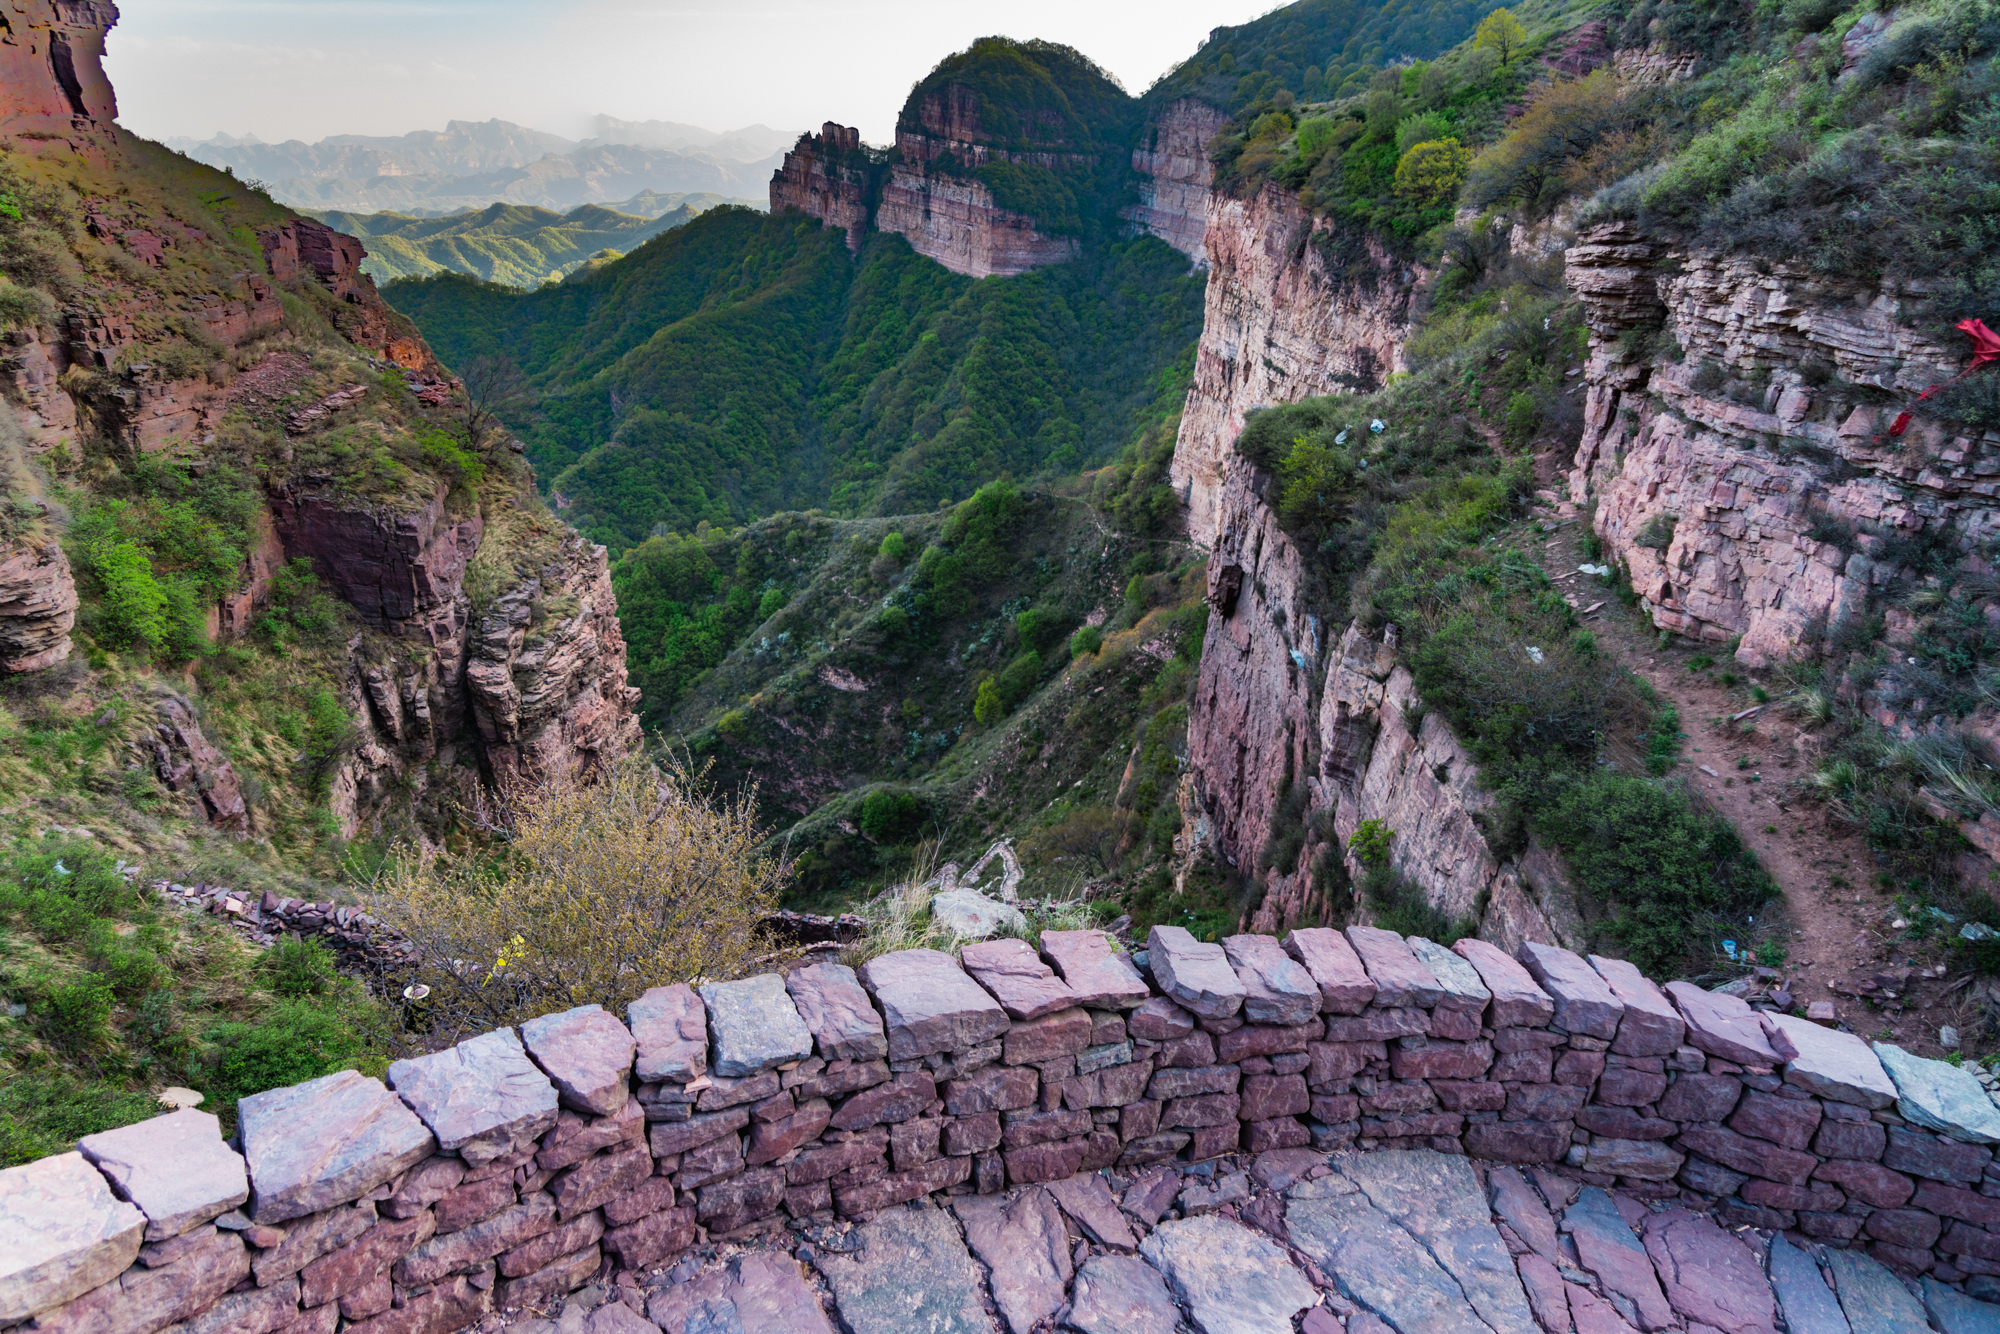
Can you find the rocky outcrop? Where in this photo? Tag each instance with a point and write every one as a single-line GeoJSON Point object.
{"type": "Point", "coordinates": [189, 764]}
{"type": "Point", "coordinates": [531, 685]}
{"type": "Point", "coordinates": [826, 176]}
{"type": "Point", "coordinates": [37, 606]}
{"type": "Point", "coordinates": [303, 248]}
{"type": "Point", "coordinates": [402, 570]}
{"type": "Point", "coordinates": [1290, 727]}
{"type": "Point", "coordinates": [1175, 175]}
{"type": "Point", "coordinates": [953, 220]}
{"type": "Point", "coordinates": [1296, 307]}
{"type": "Point", "coordinates": [52, 80]}
{"type": "Point", "coordinates": [1750, 484]}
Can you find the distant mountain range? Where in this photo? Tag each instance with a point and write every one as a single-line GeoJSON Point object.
{"type": "Point", "coordinates": [516, 244]}
{"type": "Point", "coordinates": [469, 165]}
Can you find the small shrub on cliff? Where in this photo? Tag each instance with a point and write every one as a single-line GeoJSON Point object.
{"type": "Point", "coordinates": [890, 814]}
{"type": "Point", "coordinates": [597, 891]}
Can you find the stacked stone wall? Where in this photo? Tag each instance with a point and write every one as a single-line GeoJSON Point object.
{"type": "Point", "coordinates": [522, 1163]}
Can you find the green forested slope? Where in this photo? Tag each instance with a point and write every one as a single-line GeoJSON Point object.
{"type": "Point", "coordinates": [515, 244]}
{"type": "Point", "coordinates": [745, 364]}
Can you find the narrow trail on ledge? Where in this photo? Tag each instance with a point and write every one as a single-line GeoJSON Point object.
{"type": "Point", "coordinates": [1833, 921]}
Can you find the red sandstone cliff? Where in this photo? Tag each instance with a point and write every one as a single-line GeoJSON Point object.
{"type": "Point", "coordinates": [1285, 320]}
{"type": "Point", "coordinates": [1175, 176]}
{"type": "Point", "coordinates": [826, 176]}
{"type": "Point", "coordinates": [450, 689]}
{"type": "Point", "coordinates": [1287, 700]}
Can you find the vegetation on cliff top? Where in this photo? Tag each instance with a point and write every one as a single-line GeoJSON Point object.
{"type": "Point", "coordinates": [744, 364]}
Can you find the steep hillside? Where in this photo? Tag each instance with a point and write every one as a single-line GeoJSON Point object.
{"type": "Point", "coordinates": [745, 364]}
{"type": "Point", "coordinates": [273, 595]}
{"type": "Point", "coordinates": [504, 243]}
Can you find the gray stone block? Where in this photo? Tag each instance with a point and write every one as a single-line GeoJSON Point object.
{"type": "Point", "coordinates": [1277, 989]}
{"type": "Point", "coordinates": [587, 1054]}
{"type": "Point", "coordinates": [753, 1026]}
{"type": "Point", "coordinates": [1940, 1097]}
{"type": "Point", "coordinates": [843, 1021]}
{"type": "Point", "coordinates": [175, 1168]}
{"type": "Point", "coordinates": [62, 1233]}
{"type": "Point", "coordinates": [483, 1099]}
{"type": "Point", "coordinates": [1195, 974]}
{"type": "Point", "coordinates": [670, 1029]}
{"type": "Point", "coordinates": [327, 1141]}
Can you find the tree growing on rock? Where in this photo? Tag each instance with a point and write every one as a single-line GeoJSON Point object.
{"type": "Point", "coordinates": [595, 891]}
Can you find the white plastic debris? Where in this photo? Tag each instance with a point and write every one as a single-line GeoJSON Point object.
{"type": "Point", "coordinates": [1341, 439]}
{"type": "Point", "coordinates": [1534, 654]}
{"type": "Point", "coordinates": [1601, 571]}
{"type": "Point", "coordinates": [1977, 931]}
{"type": "Point", "coordinates": [1376, 426]}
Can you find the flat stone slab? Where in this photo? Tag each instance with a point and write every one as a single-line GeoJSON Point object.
{"type": "Point", "coordinates": [1025, 1247]}
{"type": "Point", "coordinates": [969, 915]}
{"type": "Point", "coordinates": [1118, 1294]}
{"type": "Point", "coordinates": [1517, 1204]}
{"type": "Point", "coordinates": [1835, 1065]}
{"type": "Point", "coordinates": [1651, 1026]}
{"type": "Point", "coordinates": [1584, 1004]}
{"type": "Point", "coordinates": [1277, 989]}
{"type": "Point", "coordinates": [1437, 1199]}
{"type": "Point", "coordinates": [327, 1141]}
{"type": "Point", "coordinates": [1940, 1097]}
{"type": "Point", "coordinates": [843, 1021]}
{"type": "Point", "coordinates": [1606, 1246]}
{"type": "Point", "coordinates": [62, 1233]}
{"type": "Point", "coordinates": [587, 1055]}
{"type": "Point", "coordinates": [1723, 1026]}
{"type": "Point", "coordinates": [1873, 1299]}
{"type": "Point", "coordinates": [483, 1099]}
{"type": "Point", "coordinates": [763, 1292]}
{"type": "Point", "coordinates": [909, 1275]}
{"type": "Point", "coordinates": [1026, 987]}
{"type": "Point", "coordinates": [1463, 989]}
{"type": "Point", "coordinates": [1232, 1280]}
{"type": "Point", "coordinates": [1344, 985]}
{"type": "Point", "coordinates": [753, 1026]}
{"type": "Point", "coordinates": [1517, 1001]}
{"type": "Point", "coordinates": [930, 1004]}
{"type": "Point", "coordinates": [1086, 1198]}
{"type": "Point", "coordinates": [1955, 1313]}
{"type": "Point", "coordinates": [175, 1168]}
{"type": "Point", "coordinates": [1710, 1277]}
{"type": "Point", "coordinates": [1194, 973]}
{"type": "Point", "coordinates": [1400, 978]}
{"type": "Point", "coordinates": [1101, 977]}
{"type": "Point", "coordinates": [1375, 1263]}
{"type": "Point", "coordinates": [670, 1030]}
{"type": "Point", "coordinates": [1808, 1303]}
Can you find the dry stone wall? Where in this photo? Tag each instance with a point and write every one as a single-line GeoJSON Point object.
{"type": "Point", "coordinates": [519, 1164]}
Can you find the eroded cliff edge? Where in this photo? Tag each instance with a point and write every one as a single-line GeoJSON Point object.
{"type": "Point", "coordinates": [212, 329]}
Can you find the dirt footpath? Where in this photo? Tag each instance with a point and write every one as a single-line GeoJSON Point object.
{"type": "Point", "coordinates": [1752, 764]}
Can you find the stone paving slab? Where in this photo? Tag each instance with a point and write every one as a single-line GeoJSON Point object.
{"type": "Point", "coordinates": [1231, 1279]}
{"type": "Point", "coordinates": [1955, 1313]}
{"type": "Point", "coordinates": [1117, 1294]}
{"type": "Point", "coordinates": [1373, 1262]}
{"type": "Point", "coordinates": [1808, 1304]}
{"type": "Point", "coordinates": [909, 1274]}
{"type": "Point", "coordinates": [1025, 1248]}
{"type": "Point", "coordinates": [753, 1026]}
{"type": "Point", "coordinates": [1873, 1299]}
{"type": "Point", "coordinates": [760, 1293]}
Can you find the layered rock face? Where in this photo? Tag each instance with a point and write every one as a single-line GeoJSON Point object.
{"type": "Point", "coordinates": [953, 218]}
{"type": "Point", "coordinates": [820, 179]}
{"type": "Point", "coordinates": [1286, 702]}
{"type": "Point", "coordinates": [37, 606]}
{"type": "Point", "coordinates": [52, 66]}
{"type": "Point", "coordinates": [1176, 173]}
{"type": "Point", "coordinates": [1285, 319]}
{"type": "Point", "coordinates": [1721, 476]}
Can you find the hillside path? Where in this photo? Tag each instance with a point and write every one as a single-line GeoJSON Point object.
{"type": "Point", "coordinates": [1755, 772]}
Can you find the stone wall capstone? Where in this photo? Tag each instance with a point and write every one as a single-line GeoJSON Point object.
{"type": "Point", "coordinates": [518, 1165]}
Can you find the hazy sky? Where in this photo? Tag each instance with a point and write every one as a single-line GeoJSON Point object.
{"type": "Point", "coordinates": [304, 69]}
